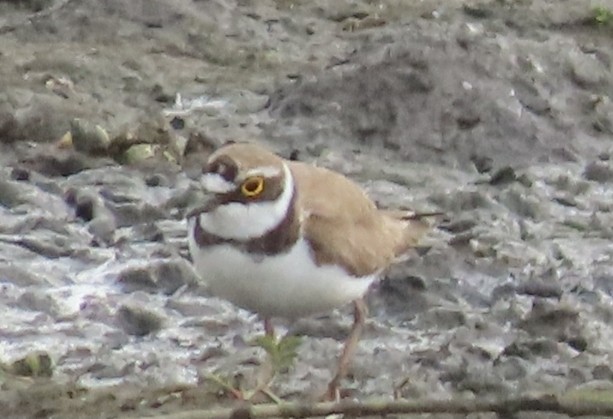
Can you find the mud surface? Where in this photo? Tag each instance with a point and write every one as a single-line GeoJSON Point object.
{"type": "Point", "coordinates": [496, 112]}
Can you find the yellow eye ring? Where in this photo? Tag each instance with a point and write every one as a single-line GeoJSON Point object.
{"type": "Point", "coordinates": [252, 186]}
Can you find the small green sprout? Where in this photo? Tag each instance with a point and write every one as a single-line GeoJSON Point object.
{"type": "Point", "coordinates": [602, 15]}
{"type": "Point", "coordinates": [282, 353]}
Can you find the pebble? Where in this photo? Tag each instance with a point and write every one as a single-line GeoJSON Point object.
{"type": "Point", "coordinates": [129, 214]}
{"type": "Point", "coordinates": [10, 194]}
{"type": "Point", "coordinates": [48, 244]}
{"type": "Point", "coordinates": [512, 368]}
{"type": "Point", "coordinates": [88, 137]}
{"type": "Point", "coordinates": [165, 276]}
{"type": "Point", "coordinates": [442, 318]}
{"type": "Point", "coordinates": [20, 174]}
{"type": "Point", "coordinates": [540, 289]}
{"type": "Point", "coordinates": [597, 171]}
{"type": "Point", "coordinates": [36, 301]}
{"type": "Point", "coordinates": [586, 69]}
{"type": "Point", "coordinates": [138, 321]}
{"type": "Point", "coordinates": [21, 277]}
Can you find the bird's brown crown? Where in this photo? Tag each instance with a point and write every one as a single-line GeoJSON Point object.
{"type": "Point", "coordinates": [256, 173]}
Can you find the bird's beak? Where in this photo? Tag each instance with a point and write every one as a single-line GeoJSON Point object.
{"type": "Point", "coordinates": [214, 186]}
{"type": "Point", "coordinates": [211, 203]}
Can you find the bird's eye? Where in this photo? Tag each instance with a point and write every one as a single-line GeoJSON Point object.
{"type": "Point", "coordinates": [252, 186]}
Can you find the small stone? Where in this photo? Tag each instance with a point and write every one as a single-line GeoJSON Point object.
{"type": "Point", "coordinates": [166, 276]}
{"type": "Point", "coordinates": [89, 138]}
{"type": "Point", "coordinates": [503, 176]}
{"type": "Point", "coordinates": [294, 155]}
{"type": "Point", "coordinates": [21, 276]}
{"type": "Point", "coordinates": [101, 370]}
{"type": "Point", "coordinates": [532, 348]}
{"type": "Point", "coordinates": [540, 289]}
{"type": "Point", "coordinates": [401, 295]}
{"type": "Point", "coordinates": [458, 226]}
{"type": "Point", "coordinates": [177, 123]}
{"type": "Point", "coordinates": [602, 372]}
{"type": "Point", "coordinates": [599, 172]}
{"type": "Point", "coordinates": [20, 174]}
{"type": "Point", "coordinates": [156, 180]}
{"type": "Point", "coordinates": [530, 96]}
{"type": "Point", "coordinates": [603, 116]}
{"type": "Point", "coordinates": [103, 228]}
{"type": "Point", "coordinates": [173, 274]}
{"type": "Point", "coordinates": [160, 94]}
{"type": "Point", "coordinates": [578, 343]}
{"type": "Point", "coordinates": [137, 321]}
{"type": "Point", "coordinates": [134, 279]}
{"type": "Point", "coordinates": [35, 364]}
{"type": "Point", "coordinates": [10, 194]}
{"type": "Point", "coordinates": [201, 143]}
{"type": "Point", "coordinates": [147, 232]}
{"type": "Point", "coordinates": [511, 367]}
{"type": "Point", "coordinates": [586, 69]}
{"type": "Point", "coordinates": [130, 214]}
{"type": "Point", "coordinates": [247, 102]}
{"type": "Point", "coordinates": [567, 201]}
{"type": "Point", "coordinates": [461, 200]}
{"type": "Point", "coordinates": [9, 126]}
{"type": "Point", "coordinates": [442, 318]}
{"type": "Point", "coordinates": [34, 301]}
{"type": "Point", "coordinates": [84, 208]}
{"type": "Point", "coordinates": [60, 164]}
{"type": "Point", "coordinates": [516, 199]}
{"type": "Point", "coordinates": [48, 244]}
{"type": "Point", "coordinates": [138, 153]}
{"type": "Point", "coordinates": [483, 164]}
{"type": "Point", "coordinates": [479, 10]}
{"type": "Point", "coordinates": [547, 319]}
{"type": "Point", "coordinates": [467, 34]}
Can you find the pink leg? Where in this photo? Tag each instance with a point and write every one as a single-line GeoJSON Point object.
{"type": "Point", "coordinates": [269, 329]}
{"type": "Point", "coordinates": [360, 311]}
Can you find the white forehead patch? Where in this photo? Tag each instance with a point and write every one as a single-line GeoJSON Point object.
{"type": "Point", "coordinates": [215, 183]}
{"type": "Point", "coordinates": [247, 221]}
{"type": "Point", "coordinates": [266, 171]}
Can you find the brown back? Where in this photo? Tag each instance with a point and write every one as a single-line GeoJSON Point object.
{"type": "Point", "coordinates": [345, 227]}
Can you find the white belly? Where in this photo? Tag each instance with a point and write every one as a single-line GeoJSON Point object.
{"type": "Point", "coordinates": [288, 285]}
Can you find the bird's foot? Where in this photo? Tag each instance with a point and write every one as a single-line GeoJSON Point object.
{"type": "Point", "coordinates": [333, 393]}
{"type": "Point", "coordinates": [225, 387]}
{"type": "Point", "coordinates": [237, 393]}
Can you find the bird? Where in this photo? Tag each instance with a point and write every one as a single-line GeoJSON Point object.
{"type": "Point", "coordinates": [287, 239]}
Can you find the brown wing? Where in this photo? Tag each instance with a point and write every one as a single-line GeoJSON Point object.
{"type": "Point", "coordinates": [345, 227]}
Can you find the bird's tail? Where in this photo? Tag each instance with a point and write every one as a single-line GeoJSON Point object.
{"type": "Point", "coordinates": [414, 225]}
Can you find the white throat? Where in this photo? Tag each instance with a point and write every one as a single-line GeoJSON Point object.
{"type": "Point", "coordinates": [247, 221]}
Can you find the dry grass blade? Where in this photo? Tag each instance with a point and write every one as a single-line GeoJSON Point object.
{"type": "Point", "coordinates": [546, 403]}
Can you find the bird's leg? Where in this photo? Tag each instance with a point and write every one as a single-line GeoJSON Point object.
{"type": "Point", "coordinates": [360, 311]}
{"type": "Point", "coordinates": [269, 329]}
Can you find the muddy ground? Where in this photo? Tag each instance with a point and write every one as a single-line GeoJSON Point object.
{"type": "Point", "coordinates": [497, 113]}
